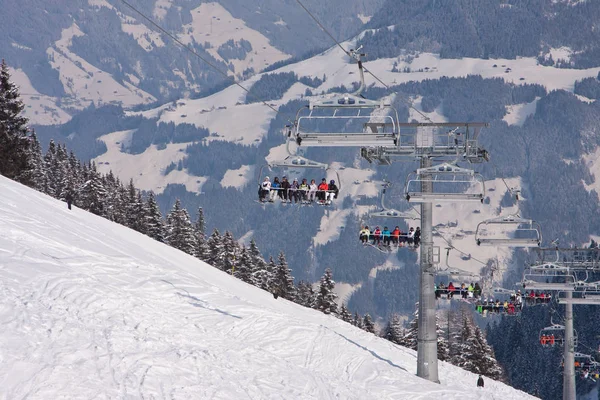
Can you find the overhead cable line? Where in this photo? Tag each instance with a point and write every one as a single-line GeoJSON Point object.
{"type": "Point", "coordinates": [352, 57]}
{"type": "Point", "coordinates": [192, 51]}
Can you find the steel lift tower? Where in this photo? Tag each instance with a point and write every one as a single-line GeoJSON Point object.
{"type": "Point", "coordinates": [350, 120]}
{"type": "Point", "coordinates": [383, 140]}
{"type": "Point", "coordinates": [566, 270]}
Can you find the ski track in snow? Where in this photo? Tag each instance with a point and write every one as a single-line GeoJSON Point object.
{"type": "Point", "coordinates": [90, 309]}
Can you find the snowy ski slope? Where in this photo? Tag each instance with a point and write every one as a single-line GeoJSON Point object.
{"type": "Point", "coordinates": [93, 310]}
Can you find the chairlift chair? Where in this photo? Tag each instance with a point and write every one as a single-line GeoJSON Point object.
{"type": "Point", "coordinates": [390, 212]}
{"type": "Point", "coordinates": [492, 301]}
{"type": "Point", "coordinates": [459, 276]}
{"type": "Point", "coordinates": [293, 161]}
{"type": "Point", "coordinates": [447, 175]}
{"type": "Point", "coordinates": [587, 296]}
{"type": "Point", "coordinates": [524, 232]}
{"type": "Point", "coordinates": [350, 120]}
{"type": "Point", "coordinates": [554, 335]}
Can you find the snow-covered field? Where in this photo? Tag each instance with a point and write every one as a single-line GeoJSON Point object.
{"type": "Point", "coordinates": [212, 23]}
{"type": "Point", "coordinates": [518, 113]}
{"type": "Point", "coordinates": [90, 309]}
{"type": "Point", "coordinates": [85, 83]}
{"type": "Point", "coordinates": [146, 169]}
{"type": "Point", "coordinates": [39, 108]}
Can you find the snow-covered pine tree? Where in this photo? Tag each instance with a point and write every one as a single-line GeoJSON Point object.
{"type": "Point", "coordinates": [344, 314]}
{"type": "Point", "coordinates": [14, 143]}
{"type": "Point", "coordinates": [134, 206]}
{"type": "Point", "coordinates": [368, 324]}
{"type": "Point", "coordinates": [231, 252]}
{"type": "Point", "coordinates": [58, 172]}
{"type": "Point", "coordinates": [393, 330]}
{"type": "Point", "coordinates": [410, 337]}
{"type": "Point", "coordinates": [154, 221]}
{"type": "Point", "coordinates": [215, 250]}
{"type": "Point", "coordinates": [179, 232]}
{"type": "Point", "coordinates": [266, 275]}
{"type": "Point", "coordinates": [199, 232]}
{"type": "Point", "coordinates": [200, 223]}
{"type": "Point", "coordinates": [485, 361]}
{"type": "Point", "coordinates": [116, 202]}
{"type": "Point", "coordinates": [257, 261]}
{"type": "Point", "coordinates": [93, 194]}
{"type": "Point", "coordinates": [36, 164]}
{"type": "Point", "coordinates": [305, 294]}
{"type": "Point", "coordinates": [326, 296]}
{"type": "Point", "coordinates": [49, 157]}
{"type": "Point", "coordinates": [245, 269]}
{"type": "Point", "coordinates": [283, 281]}
{"type": "Point", "coordinates": [140, 210]}
{"type": "Point", "coordinates": [357, 320]}
{"type": "Point", "coordinates": [469, 348]}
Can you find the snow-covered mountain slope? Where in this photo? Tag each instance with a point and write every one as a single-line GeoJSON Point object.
{"type": "Point", "coordinates": [90, 309]}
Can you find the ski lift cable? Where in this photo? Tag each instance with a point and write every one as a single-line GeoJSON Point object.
{"type": "Point", "coordinates": [195, 53]}
{"type": "Point", "coordinates": [501, 177]}
{"type": "Point", "coordinates": [450, 244]}
{"type": "Point", "coordinates": [352, 57]}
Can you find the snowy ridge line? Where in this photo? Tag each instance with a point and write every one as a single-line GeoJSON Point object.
{"type": "Point", "coordinates": [140, 320]}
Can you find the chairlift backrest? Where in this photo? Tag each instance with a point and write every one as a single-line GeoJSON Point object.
{"type": "Point", "coordinates": [449, 182]}
{"type": "Point", "coordinates": [524, 232]}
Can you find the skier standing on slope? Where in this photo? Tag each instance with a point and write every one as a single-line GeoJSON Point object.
{"type": "Point", "coordinates": [480, 381]}
{"type": "Point", "coordinates": [69, 199]}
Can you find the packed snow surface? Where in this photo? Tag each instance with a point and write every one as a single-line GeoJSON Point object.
{"type": "Point", "coordinates": [91, 309]}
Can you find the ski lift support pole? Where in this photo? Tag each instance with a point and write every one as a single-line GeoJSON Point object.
{"type": "Point", "coordinates": [591, 262]}
{"type": "Point", "coordinates": [427, 335]}
{"type": "Point", "coordinates": [465, 149]}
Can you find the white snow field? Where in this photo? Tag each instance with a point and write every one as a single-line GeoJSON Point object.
{"type": "Point", "coordinates": [92, 310]}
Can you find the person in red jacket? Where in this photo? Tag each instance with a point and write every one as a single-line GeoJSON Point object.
{"type": "Point", "coordinates": [322, 193]}
{"type": "Point", "coordinates": [450, 289]}
{"type": "Point", "coordinates": [396, 236]}
{"type": "Point", "coordinates": [377, 236]}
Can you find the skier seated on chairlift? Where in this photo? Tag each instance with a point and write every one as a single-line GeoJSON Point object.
{"type": "Point", "coordinates": [265, 188]}
{"type": "Point", "coordinates": [450, 289]}
{"type": "Point", "coordinates": [293, 192]}
{"type": "Point", "coordinates": [477, 290]}
{"type": "Point", "coordinates": [417, 237]}
{"type": "Point", "coordinates": [312, 191]}
{"type": "Point", "coordinates": [377, 236]}
{"type": "Point", "coordinates": [364, 235]}
{"type": "Point", "coordinates": [285, 188]}
{"type": "Point", "coordinates": [396, 235]}
{"type": "Point", "coordinates": [386, 236]}
{"type": "Point", "coordinates": [275, 188]}
{"type": "Point", "coordinates": [303, 191]}
{"type": "Point", "coordinates": [332, 191]}
{"type": "Point", "coordinates": [322, 191]}
{"type": "Point", "coordinates": [411, 236]}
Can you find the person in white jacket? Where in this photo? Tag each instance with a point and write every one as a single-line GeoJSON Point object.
{"type": "Point", "coordinates": [265, 188]}
{"type": "Point", "coordinates": [312, 191]}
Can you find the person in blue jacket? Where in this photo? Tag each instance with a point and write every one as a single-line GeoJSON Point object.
{"type": "Point", "coordinates": [275, 188]}
{"type": "Point", "coordinates": [387, 235]}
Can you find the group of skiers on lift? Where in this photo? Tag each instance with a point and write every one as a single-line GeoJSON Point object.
{"type": "Point", "coordinates": [550, 340]}
{"type": "Point", "coordinates": [305, 193]}
{"type": "Point", "coordinates": [470, 291]}
{"type": "Point", "coordinates": [533, 298]}
{"type": "Point", "coordinates": [387, 238]}
{"type": "Point", "coordinates": [511, 307]}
